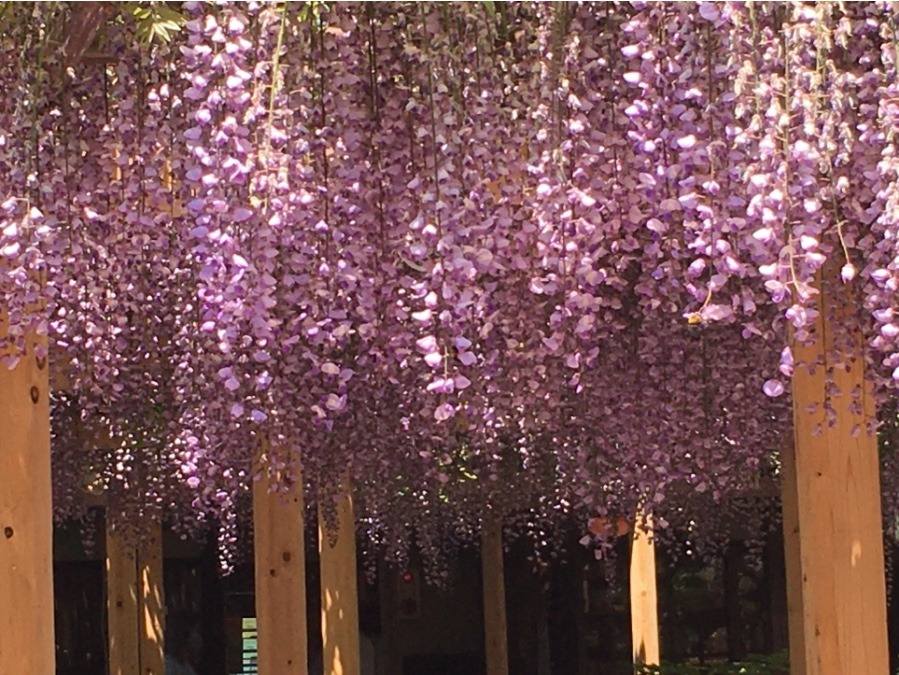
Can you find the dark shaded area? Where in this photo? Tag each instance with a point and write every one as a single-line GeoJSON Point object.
{"type": "Point", "coordinates": [893, 610]}
{"type": "Point", "coordinates": [569, 617]}
{"type": "Point", "coordinates": [773, 592]}
{"type": "Point", "coordinates": [734, 564]}
{"type": "Point", "coordinates": [78, 588]}
{"type": "Point", "coordinates": [443, 664]}
{"type": "Point", "coordinates": [562, 614]}
{"type": "Point", "coordinates": [524, 607]}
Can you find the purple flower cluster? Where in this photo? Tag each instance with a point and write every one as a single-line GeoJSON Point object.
{"type": "Point", "coordinates": [540, 260]}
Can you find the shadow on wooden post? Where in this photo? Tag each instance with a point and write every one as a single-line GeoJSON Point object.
{"type": "Point", "coordinates": [122, 607]}
{"type": "Point", "coordinates": [135, 604]}
{"type": "Point", "coordinates": [340, 602]}
{"type": "Point", "coordinates": [152, 603]}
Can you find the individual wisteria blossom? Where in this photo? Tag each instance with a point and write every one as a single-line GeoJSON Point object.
{"type": "Point", "coordinates": [538, 260]}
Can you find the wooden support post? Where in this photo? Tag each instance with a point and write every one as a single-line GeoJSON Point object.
{"type": "Point", "coordinates": [340, 602]}
{"type": "Point", "coordinates": [27, 644]}
{"type": "Point", "coordinates": [280, 554]}
{"type": "Point", "coordinates": [644, 601]}
{"type": "Point", "coordinates": [835, 491]}
{"type": "Point", "coordinates": [122, 607]}
{"type": "Point", "coordinates": [135, 604]}
{"type": "Point", "coordinates": [492, 571]}
{"type": "Point", "coordinates": [152, 604]}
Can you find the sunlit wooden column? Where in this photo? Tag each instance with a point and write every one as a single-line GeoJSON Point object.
{"type": "Point", "coordinates": [340, 602]}
{"type": "Point", "coordinates": [493, 574]}
{"type": "Point", "coordinates": [643, 596]}
{"type": "Point", "coordinates": [280, 556]}
{"type": "Point", "coordinates": [135, 604]}
{"type": "Point", "coordinates": [26, 521]}
{"type": "Point", "coordinates": [122, 607]}
{"type": "Point", "coordinates": [151, 597]}
{"type": "Point", "coordinates": [835, 492]}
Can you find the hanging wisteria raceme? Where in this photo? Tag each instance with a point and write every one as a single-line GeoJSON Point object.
{"type": "Point", "coordinates": [25, 233]}
{"type": "Point", "coordinates": [527, 260]}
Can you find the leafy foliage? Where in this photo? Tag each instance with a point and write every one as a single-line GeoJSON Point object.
{"type": "Point", "coordinates": [157, 21]}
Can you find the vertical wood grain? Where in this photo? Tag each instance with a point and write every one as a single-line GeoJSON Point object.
{"type": "Point", "coordinates": [278, 526]}
{"type": "Point", "coordinates": [27, 642]}
{"type": "Point", "coordinates": [835, 491]}
{"type": "Point", "coordinates": [643, 596]}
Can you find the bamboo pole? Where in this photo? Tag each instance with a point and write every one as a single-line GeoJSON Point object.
{"type": "Point", "coordinates": [643, 597]}
{"type": "Point", "coordinates": [280, 556]}
{"type": "Point", "coordinates": [495, 631]}
{"type": "Point", "coordinates": [835, 492]}
{"type": "Point", "coordinates": [27, 643]}
{"type": "Point", "coordinates": [340, 603]}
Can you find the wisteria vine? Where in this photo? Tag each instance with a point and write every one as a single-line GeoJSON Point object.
{"type": "Point", "coordinates": [534, 259]}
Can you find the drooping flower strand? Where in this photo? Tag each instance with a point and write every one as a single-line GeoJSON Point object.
{"type": "Point", "coordinates": [539, 262]}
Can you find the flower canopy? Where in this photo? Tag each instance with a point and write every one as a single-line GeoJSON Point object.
{"type": "Point", "coordinates": [543, 259]}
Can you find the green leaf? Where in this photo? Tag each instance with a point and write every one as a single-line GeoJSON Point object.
{"type": "Point", "coordinates": [157, 21]}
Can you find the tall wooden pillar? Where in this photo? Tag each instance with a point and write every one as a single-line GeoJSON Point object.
{"type": "Point", "coordinates": [834, 491]}
{"type": "Point", "coordinates": [27, 644]}
{"type": "Point", "coordinates": [493, 574]}
{"type": "Point", "coordinates": [280, 554]}
{"type": "Point", "coordinates": [135, 604]}
{"type": "Point", "coordinates": [151, 597]}
{"type": "Point", "coordinates": [340, 602]}
{"type": "Point", "coordinates": [643, 597]}
{"type": "Point", "coordinates": [122, 607]}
